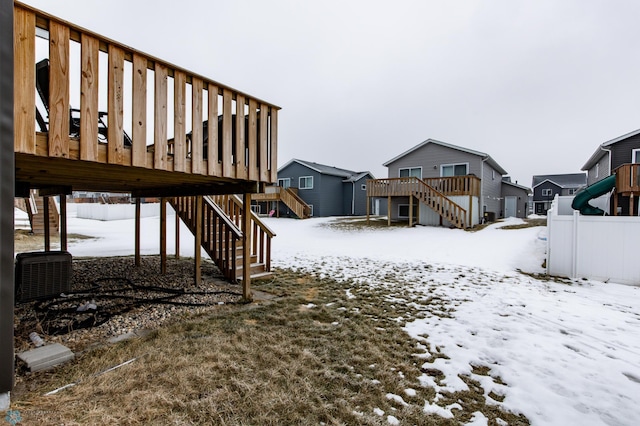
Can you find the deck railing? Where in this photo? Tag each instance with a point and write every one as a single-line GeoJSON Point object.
{"type": "Point", "coordinates": [260, 234]}
{"type": "Point", "coordinates": [449, 186]}
{"type": "Point", "coordinates": [158, 116]}
{"type": "Point", "coordinates": [628, 179]}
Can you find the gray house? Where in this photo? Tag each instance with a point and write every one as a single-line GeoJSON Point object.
{"type": "Point", "coordinates": [327, 190]}
{"type": "Point", "coordinates": [621, 157]}
{"type": "Point", "coordinates": [437, 183]}
{"type": "Point", "coordinates": [515, 198]}
{"type": "Point", "coordinates": [545, 188]}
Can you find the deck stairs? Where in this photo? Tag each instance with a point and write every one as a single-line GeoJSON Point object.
{"type": "Point", "coordinates": [34, 207]}
{"type": "Point", "coordinates": [287, 196]}
{"type": "Point", "coordinates": [222, 236]}
{"type": "Point", "coordinates": [440, 203]}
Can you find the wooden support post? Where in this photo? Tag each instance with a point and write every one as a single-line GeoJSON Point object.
{"type": "Point", "coordinates": [47, 225]}
{"type": "Point", "coordinates": [410, 211]}
{"type": "Point", "coordinates": [163, 235]}
{"type": "Point", "coordinates": [177, 235]}
{"type": "Point", "coordinates": [368, 208]}
{"type": "Point", "coordinates": [470, 220]}
{"type": "Point", "coordinates": [389, 210]}
{"type": "Point", "coordinates": [246, 247]}
{"type": "Point", "coordinates": [197, 251]}
{"type": "Point", "coordinates": [63, 222]}
{"type": "Point", "coordinates": [137, 233]}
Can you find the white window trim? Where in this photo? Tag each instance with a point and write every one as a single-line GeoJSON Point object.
{"type": "Point", "coordinates": [442, 166]}
{"type": "Point", "coordinates": [547, 192]}
{"type": "Point", "coordinates": [310, 209]}
{"type": "Point", "coordinates": [410, 168]}
{"type": "Point", "coordinates": [284, 180]}
{"type": "Point", "coordinates": [364, 187]}
{"type": "Point", "coordinates": [635, 154]}
{"type": "Point", "coordinates": [597, 170]}
{"type": "Point", "coordinates": [300, 182]}
{"type": "Point", "coordinates": [572, 191]}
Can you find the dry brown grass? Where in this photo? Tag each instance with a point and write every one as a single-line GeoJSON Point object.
{"type": "Point", "coordinates": [311, 356]}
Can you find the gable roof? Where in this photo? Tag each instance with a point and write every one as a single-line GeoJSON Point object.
{"type": "Point", "coordinates": [603, 149]}
{"type": "Point", "coordinates": [568, 180]}
{"type": "Point", "coordinates": [515, 185]}
{"type": "Point", "coordinates": [347, 175]}
{"type": "Point", "coordinates": [483, 155]}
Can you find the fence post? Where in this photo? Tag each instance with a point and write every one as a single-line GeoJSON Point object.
{"type": "Point", "coordinates": [574, 244]}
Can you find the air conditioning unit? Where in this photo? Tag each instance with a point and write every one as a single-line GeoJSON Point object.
{"type": "Point", "coordinates": [42, 275]}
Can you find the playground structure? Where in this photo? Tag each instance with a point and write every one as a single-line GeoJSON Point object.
{"type": "Point", "coordinates": [625, 183]}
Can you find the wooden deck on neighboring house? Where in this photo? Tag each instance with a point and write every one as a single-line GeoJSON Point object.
{"type": "Point", "coordinates": [627, 186]}
{"type": "Point", "coordinates": [169, 133]}
{"type": "Point", "coordinates": [433, 192]}
{"type": "Point", "coordinates": [287, 196]}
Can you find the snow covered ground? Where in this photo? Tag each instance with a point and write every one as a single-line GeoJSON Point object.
{"type": "Point", "coordinates": [566, 353]}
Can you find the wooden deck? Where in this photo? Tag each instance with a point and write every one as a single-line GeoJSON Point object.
{"type": "Point", "coordinates": [91, 114]}
{"type": "Point", "coordinates": [628, 187]}
{"type": "Point", "coordinates": [287, 196]}
{"type": "Point", "coordinates": [434, 192]}
{"type": "Point", "coordinates": [159, 107]}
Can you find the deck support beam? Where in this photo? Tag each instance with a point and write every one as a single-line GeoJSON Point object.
{"type": "Point", "coordinates": [47, 224]}
{"type": "Point", "coordinates": [197, 251]}
{"type": "Point", "coordinates": [137, 233]}
{"type": "Point", "coordinates": [63, 222]}
{"type": "Point", "coordinates": [410, 211]}
{"type": "Point", "coordinates": [177, 235]}
{"type": "Point", "coordinates": [246, 247]}
{"type": "Point", "coordinates": [7, 188]}
{"type": "Point", "coordinates": [389, 210]}
{"type": "Point", "coordinates": [163, 235]}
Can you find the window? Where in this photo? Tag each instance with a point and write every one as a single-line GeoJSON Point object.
{"type": "Point", "coordinates": [403, 210]}
{"type": "Point", "coordinates": [547, 192]}
{"type": "Point", "coordinates": [597, 170]}
{"type": "Point", "coordinates": [448, 170]}
{"type": "Point", "coordinates": [305, 182]}
{"type": "Point", "coordinates": [410, 172]}
{"type": "Point", "coordinates": [572, 191]}
{"type": "Point", "coordinates": [363, 187]}
{"type": "Point", "coordinates": [310, 209]}
{"type": "Point", "coordinates": [256, 208]}
{"type": "Point", "coordinates": [284, 182]}
{"type": "Point", "coordinates": [635, 156]}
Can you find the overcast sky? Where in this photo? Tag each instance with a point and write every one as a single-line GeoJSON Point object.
{"type": "Point", "coordinates": [536, 84]}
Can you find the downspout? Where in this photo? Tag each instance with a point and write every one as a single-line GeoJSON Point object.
{"type": "Point", "coordinates": [353, 198]}
{"type": "Point", "coordinates": [481, 201]}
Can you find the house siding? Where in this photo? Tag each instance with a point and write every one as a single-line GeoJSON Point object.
{"type": "Point", "coordinates": [330, 195]}
{"type": "Point", "coordinates": [521, 204]}
{"type": "Point", "coordinates": [603, 170]}
{"type": "Point", "coordinates": [621, 151]}
{"type": "Point", "coordinates": [491, 190]}
{"type": "Point", "coordinates": [431, 157]}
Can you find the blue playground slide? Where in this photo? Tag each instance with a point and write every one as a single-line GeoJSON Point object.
{"type": "Point", "coordinates": [582, 198]}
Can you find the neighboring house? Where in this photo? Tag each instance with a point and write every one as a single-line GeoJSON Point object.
{"type": "Point", "coordinates": [618, 156]}
{"type": "Point", "coordinates": [545, 188]}
{"type": "Point", "coordinates": [515, 198]}
{"type": "Point", "coordinates": [436, 183]}
{"type": "Point", "coordinates": [327, 190]}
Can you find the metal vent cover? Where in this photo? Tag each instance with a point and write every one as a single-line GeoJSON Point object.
{"type": "Point", "coordinates": [41, 275]}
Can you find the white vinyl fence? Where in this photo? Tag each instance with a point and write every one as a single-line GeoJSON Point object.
{"type": "Point", "coordinates": [115, 211]}
{"type": "Point", "coordinates": [603, 248]}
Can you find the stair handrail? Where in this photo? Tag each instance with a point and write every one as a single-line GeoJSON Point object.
{"type": "Point", "coordinates": [306, 210]}
{"type": "Point", "coordinates": [223, 216]}
{"type": "Point", "coordinates": [260, 246]}
{"type": "Point", "coordinates": [458, 214]}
